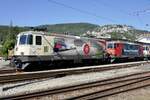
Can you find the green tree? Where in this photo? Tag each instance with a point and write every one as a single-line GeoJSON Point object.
{"type": "Point", "coordinates": [115, 35]}
{"type": "Point", "coordinates": [9, 42]}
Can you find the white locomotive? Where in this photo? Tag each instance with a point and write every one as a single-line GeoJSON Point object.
{"type": "Point", "coordinates": [37, 47]}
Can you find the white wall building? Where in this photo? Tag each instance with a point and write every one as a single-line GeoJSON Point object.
{"type": "Point", "coordinates": [144, 38]}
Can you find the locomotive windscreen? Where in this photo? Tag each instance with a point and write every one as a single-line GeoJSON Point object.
{"type": "Point", "coordinates": [26, 39]}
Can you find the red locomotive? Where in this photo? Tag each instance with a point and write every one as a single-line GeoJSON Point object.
{"type": "Point", "coordinates": [123, 49]}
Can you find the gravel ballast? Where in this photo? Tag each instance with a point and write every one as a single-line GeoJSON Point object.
{"type": "Point", "coordinates": [69, 80]}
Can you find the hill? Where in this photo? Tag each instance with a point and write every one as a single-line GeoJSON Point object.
{"type": "Point", "coordinates": [70, 28]}
{"type": "Point", "coordinates": [116, 32]}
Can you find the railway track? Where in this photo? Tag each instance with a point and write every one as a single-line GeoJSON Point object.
{"type": "Point", "coordinates": [128, 85]}
{"type": "Point", "coordinates": [93, 90]}
{"type": "Point", "coordinates": [24, 76]}
{"type": "Point", "coordinates": [6, 71]}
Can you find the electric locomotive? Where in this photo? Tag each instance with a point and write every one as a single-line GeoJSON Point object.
{"type": "Point", "coordinates": [124, 50]}
{"type": "Point", "coordinates": [37, 47]}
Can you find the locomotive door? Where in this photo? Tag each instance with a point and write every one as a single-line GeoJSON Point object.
{"type": "Point", "coordinates": [37, 47]}
{"type": "Point", "coordinates": [118, 49]}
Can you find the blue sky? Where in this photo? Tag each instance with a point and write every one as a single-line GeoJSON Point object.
{"type": "Point", "coordinates": [101, 12]}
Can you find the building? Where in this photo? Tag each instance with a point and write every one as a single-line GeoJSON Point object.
{"type": "Point", "coordinates": [144, 38]}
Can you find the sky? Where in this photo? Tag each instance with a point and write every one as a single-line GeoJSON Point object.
{"type": "Point", "coordinates": [135, 13]}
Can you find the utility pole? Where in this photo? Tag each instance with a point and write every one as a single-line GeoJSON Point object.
{"type": "Point", "coordinates": [10, 27]}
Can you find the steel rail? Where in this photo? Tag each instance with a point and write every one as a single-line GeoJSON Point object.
{"type": "Point", "coordinates": [144, 82]}
{"type": "Point", "coordinates": [6, 71]}
{"type": "Point", "coordinates": [111, 84]}
{"type": "Point", "coordinates": [24, 76]}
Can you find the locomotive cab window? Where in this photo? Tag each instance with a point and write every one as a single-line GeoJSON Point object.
{"type": "Point", "coordinates": [38, 40]}
{"type": "Point", "coordinates": [26, 39]}
{"type": "Point", "coordinates": [126, 46]}
{"type": "Point", "coordinates": [110, 45]}
{"type": "Point", "coordinates": [30, 39]}
{"type": "Point", "coordinates": [22, 39]}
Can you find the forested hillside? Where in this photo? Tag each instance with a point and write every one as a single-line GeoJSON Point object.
{"type": "Point", "coordinates": [70, 28]}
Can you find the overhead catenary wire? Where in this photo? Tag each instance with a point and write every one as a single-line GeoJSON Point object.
{"type": "Point", "coordinates": [140, 20]}
{"type": "Point", "coordinates": [136, 14]}
{"type": "Point", "coordinates": [83, 11]}
{"type": "Point", "coordinates": [108, 5]}
{"type": "Point", "coordinates": [140, 13]}
{"type": "Point", "coordinates": [146, 10]}
{"type": "Point", "coordinates": [112, 7]}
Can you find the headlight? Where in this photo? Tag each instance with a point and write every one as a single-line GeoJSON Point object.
{"type": "Point", "coordinates": [16, 48]}
{"type": "Point", "coordinates": [22, 53]}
